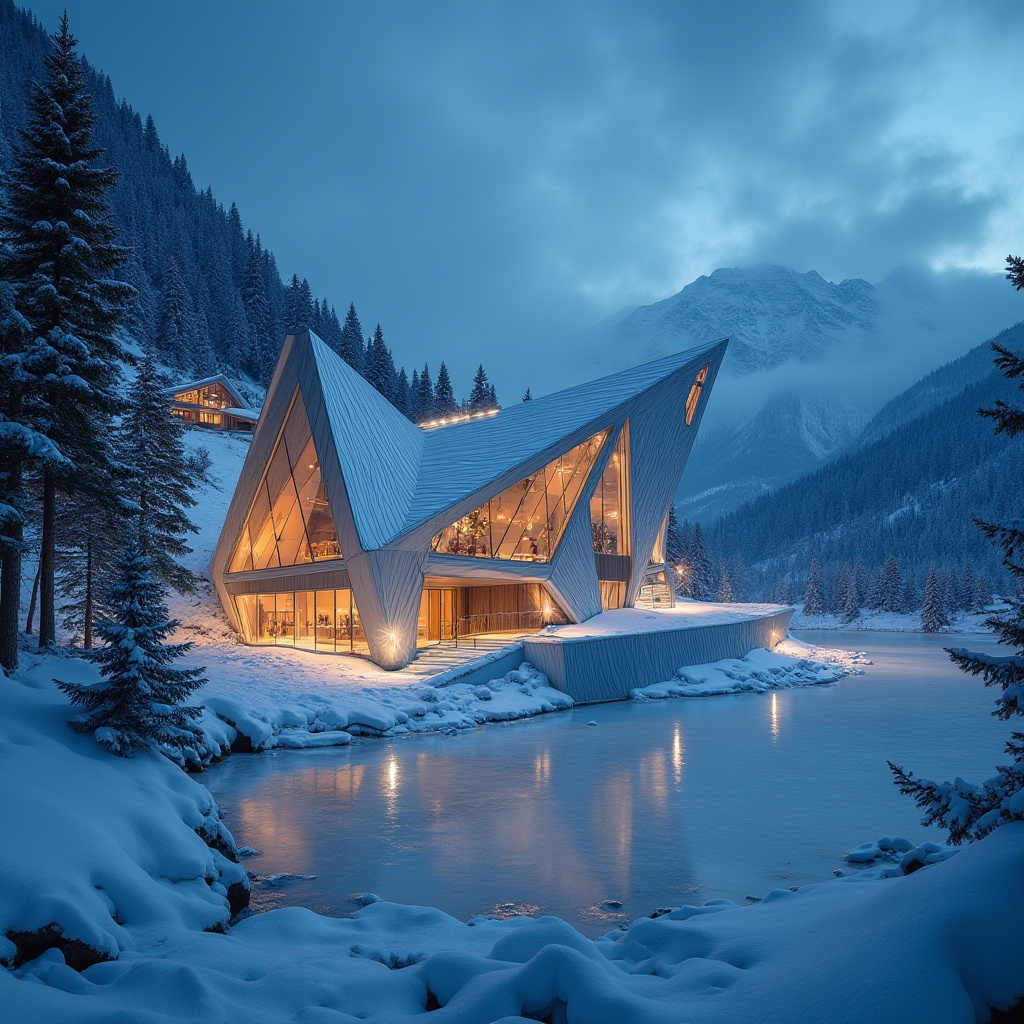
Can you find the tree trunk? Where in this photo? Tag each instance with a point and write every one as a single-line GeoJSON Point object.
{"type": "Point", "coordinates": [10, 604]}
{"type": "Point", "coordinates": [32, 604]}
{"type": "Point", "coordinates": [47, 627]}
{"type": "Point", "coordinates": [87, 639]}
{"type": "Point", "coordinates": [10, 574]}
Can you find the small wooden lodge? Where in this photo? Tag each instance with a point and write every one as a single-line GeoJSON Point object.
{"type": "Point", "coordinates": [213, 402]}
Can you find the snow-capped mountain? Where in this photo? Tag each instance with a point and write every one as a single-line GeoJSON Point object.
{"type": "Point", "coordinates": [809, 362]}
{"type": "Point", "coordinates": [771, 314]}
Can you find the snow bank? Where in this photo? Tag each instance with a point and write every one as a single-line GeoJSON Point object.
{"type": "Point", "coordinates": [269, 699]}
{"type": "Point", "coordinates": [105, 849]}
{"type": "Point", "coordinates": [792, 663]}
{"type": "Point", "coordinates": [943, 944]}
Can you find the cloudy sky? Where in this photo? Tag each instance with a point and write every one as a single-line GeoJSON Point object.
{"type": "Point", "coordinates": [484, 177]}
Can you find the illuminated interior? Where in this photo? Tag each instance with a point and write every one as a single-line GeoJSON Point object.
{"type": "Point", "coordinates": [290, 521]}
{"type": "Point", "coordinates": [212, 396]}
{"type": "Point", "coordinates": [609, 507]}
{"type": "Point", "coordinates": [320, 620]}
{"type": "Point", "coordinates": [693, 398]}
{"type": "Point", "coordinates": [655, 590]}
{"type": "Point", "coordinates": [450, 612]}
{"type": "Point", "coordinates": [525, 521]}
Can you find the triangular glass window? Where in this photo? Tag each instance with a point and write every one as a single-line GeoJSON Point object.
{"type": "Point", "coordinates": [693, 398]}
{"type": "Point", "coordinates": [609, 507]}
{"type": "Point", "coordinates": [290, 521]}
{"type": "Point", "coordinates": [525, 521]}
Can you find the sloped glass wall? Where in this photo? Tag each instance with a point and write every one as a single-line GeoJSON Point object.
{"type": "Point", "coordinates": [609, 507]}
{"type": "Point", "coordinates": [290, 521]}
{"type": "Point", "coordinates": [525, 521]}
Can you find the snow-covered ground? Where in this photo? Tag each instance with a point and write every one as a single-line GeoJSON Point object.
{"type": "Point", "coordinates": [106, 851]}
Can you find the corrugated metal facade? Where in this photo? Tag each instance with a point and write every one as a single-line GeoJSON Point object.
{"type": "Point", "coordinates": [392, 486]}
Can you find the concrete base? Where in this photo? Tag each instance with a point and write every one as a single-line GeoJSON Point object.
{"type": "Point", "coordinates": [607, 666]}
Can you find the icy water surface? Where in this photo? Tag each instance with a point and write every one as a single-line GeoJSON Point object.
{"type": "Point", "coordinates": [661, 803]}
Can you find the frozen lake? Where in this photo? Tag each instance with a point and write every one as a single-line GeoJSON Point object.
{"type": "Point", "coordinates": [661, 803]}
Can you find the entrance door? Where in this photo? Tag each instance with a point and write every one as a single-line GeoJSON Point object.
{"type": "Point", "coordinates": [437, 616]}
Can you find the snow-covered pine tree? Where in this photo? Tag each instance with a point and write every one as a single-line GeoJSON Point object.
{"type": "Point", "coordinates": [738, 577]}
{"type": "Point", "coordinates": [910, 599]}
{"type": "Point", "coordinates": [425, 405]}
{"type": "Point", "coordinates": [933, 608]}
{"type": "Point", "coordinates": [972, 811]}
{"type": "Point", "coordinates": [400, 399]}
{"type": "Point", "coordinates": [892, 586]}
{"type": "Point", "coordinates": [812, 595]}
{"type": "Point", "coordinates": [480, 393]}
{"type": "Point", "coordinates": [444, 395]}
{"type": "Point", "coordinates": [159, 483]}
{"type": "Point", "coordinates": [175, 325]}
{"type": "Point", "coordinates": [259, 360]}
{"type": "Point", "coordinates": [967, 587]}
{"type": "Point", "coordinates": [139, 701]}
{"type": "Point", "coordinates": [350, 347]}
{"type": "Point", "coordinates": [860, 579]}
{"type": "Point", "coordinates": [701, 581]}
{"type": "Point", "coordinates": [851, 603]}
{"type": "Point", "coordinates": [876, 591]}
{"type": "Point", "coordinates": [949, 587]}
{"type": "Point", "coordinates": [723, 595]}
{"type": "Point", "coordinates": [62, 258]}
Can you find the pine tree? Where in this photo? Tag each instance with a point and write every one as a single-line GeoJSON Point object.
{"type": "Point", "coordinates": [379, 366]}
{"type": "Point", "coordinates": [933, 609]}
{"type": "Point", "coordinates": [851, 604]}
{"type": "Point", "coordinates": [527, 397]}
{"type": "Point", "coordinates": [972, 811]}
{"type": "Point", "coordinates": [444, 396]}
{"type": "Point", "coordinates": [910, 597]}
{"type": "Point", "coordinates": [892, 586]}
{"type": "Point", "coordinates": [812, 595]}
{"type": "Point", "coordinates": [350, 347]}
{"type": "Point", "coordinates": [967, 588]}
{"type": "Point", "coordinates": [425, 403]}
{"type": "Point", "coordinates": [160, 485]}
{"type": "Point", "coordinates": [259, 360]}
{"type": "Point", "coordinates": [63, 261]}
{"type": "Point", "coordinates": [738, 577]}
{"type": "Point", "coordinates": [175, 327]}
{"type": "Point", "coordinates": [723, 595]}
{"type": "Point", "coordinates": [701, 587]}
{"type": "Point", "coordinates": [400, 400]}
{"type": "Point", "coordinates": [860, 580]}
{"type": "Point", "coordinates": [480, 394]}
{"type": "Point", "coordinates": [138, 703]}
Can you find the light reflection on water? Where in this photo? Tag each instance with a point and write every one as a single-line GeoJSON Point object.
{"type": "Point", "coordinates": [663, 803]}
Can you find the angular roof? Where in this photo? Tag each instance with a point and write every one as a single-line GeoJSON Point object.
{"type": "Point", "coordinates": [486, 448]}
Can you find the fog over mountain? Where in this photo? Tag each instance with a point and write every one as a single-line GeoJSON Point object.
{"type": "Point", "coordinates": [809, 361]}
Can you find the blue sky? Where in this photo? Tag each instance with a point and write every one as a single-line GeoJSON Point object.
{"type": "Point", "coordinates": [486, 178]}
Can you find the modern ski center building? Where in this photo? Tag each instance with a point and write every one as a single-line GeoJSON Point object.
{"type": "Point", "coordinates": [353, 530]}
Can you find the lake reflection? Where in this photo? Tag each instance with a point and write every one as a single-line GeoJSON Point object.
{"type": "Point", "coordinates": [661, 803]}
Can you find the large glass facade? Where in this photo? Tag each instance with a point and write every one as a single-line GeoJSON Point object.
{"type": "Point", "coordinates": [320, 620]}
{"type": "Point", "coordinates": [212, 396]}
{"type": "Point", "coordinates": [693, 398]}
{"type": "Point", "coordinates": [290, 521]}
{"type": "Point", "coordinates": [609, 507]}
{"type": "Point", "coordinates": [525, 521]}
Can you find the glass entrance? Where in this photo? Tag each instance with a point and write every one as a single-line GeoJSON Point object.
{"type": "Point", "coordinates": [437, 616]}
